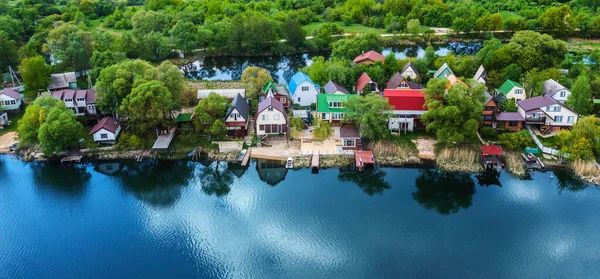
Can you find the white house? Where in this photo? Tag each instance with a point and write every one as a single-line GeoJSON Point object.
{"type": "Point", "coordinates": [106, 131]}
{"type": "Point", "coordinates": [543, 110]}
{"type": "Point", "coordinates": [236, 118]}
{"type": "Point", "coordinates": [512, 90]}
{"type": "Point", "coordinates": [271, 117]}
{"type": "Point", "coordinates": [10, 99]}
{"type": "Point", "coordinates": [410, 71]}
{"type": "Point", "coordinates": [556, 91]}
{"type": "Point", "coordinates": [481, 75]}
{"type": "Point", "coordinates": [304, 91]}
{"type": "Point", "coordinates": [82, 102]}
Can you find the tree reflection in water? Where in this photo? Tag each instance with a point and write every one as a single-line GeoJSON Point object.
{"type": "Point", "coordinates": [370, 181]}
{"type": "Point", "coordinates": [488, 178]}
{"type": "Point", "coordinates": [158, 183]}
{"type": "Point", "coordinates": [216, 178]}
{"type": "Point", "coordinates": [567, 180]}
{"type": "Point", "coordinates": [446, 192]}
{"type": "Point", "coordinates": [67, 179]}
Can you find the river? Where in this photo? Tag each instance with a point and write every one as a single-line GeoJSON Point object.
{"type": "Point", "coordinates": [216, 220]}
{"type": "Point", "coordinates": [284, 67]}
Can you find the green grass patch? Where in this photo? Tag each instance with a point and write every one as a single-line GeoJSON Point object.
{"type": "Point", "coordinates": [405, 139]}
{"type": "Point", "coordinates": [352, 28]}
{"type": "Point", "coordinates": [14, 118]}
{"type": "Point", "coordinates": [548, 142]}
{"type": "Point", "coordinates": [188, 141]}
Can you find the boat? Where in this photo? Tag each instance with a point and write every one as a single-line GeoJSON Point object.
{"type": "Point", "coordinates": [289, 163]}
{"type": "Point", "coordinates": [531, 161]}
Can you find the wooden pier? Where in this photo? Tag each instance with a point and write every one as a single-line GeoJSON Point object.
{"type": "Point", "coordinates": [364, 159]}
{"type": "Point", "coordinates": [246, 159]}
{"type": "Point", "coordinates": [71, 159]}
{"type": "Point", "coordinates": [315, 162]}
{"type": "Point", "coordinates": [163, 141]}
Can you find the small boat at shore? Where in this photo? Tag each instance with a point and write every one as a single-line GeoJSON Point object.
{"type": "Point", "coordinates": [289, 163]}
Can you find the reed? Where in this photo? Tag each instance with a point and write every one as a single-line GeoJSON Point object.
{"type": "Point", "coordinates": [458, 159]}
{"type": "Point", "coordinates": [388, 149]}
{"type": "Point", "coordinates": [585, 168]}
{"type": "Point", "coordinates": [514, 164]}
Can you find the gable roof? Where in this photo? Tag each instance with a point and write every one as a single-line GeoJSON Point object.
{"type": "Point", "coordinates": [349, 131]}
{"type": "Point", "coordinates": [536, 102]}
{"type": "Point", "coordinates": [362, 81]}
{"type": "Point", "coordinates": [369, 55]}
{"type": "Point", "coordinates": [332, 87]}
{"type": "Point", "coordinates": [480, 73]}
{"type": "Point", "coordinates": [405, 99]}
{"type": "Point", "coordinates": [488, 97]}
{"type": "Point", "coordinates": [508, 116]}
{"type": "Point", "coordinates": [298, 78]}
{"type": "Point", "coordinates": [508, 85]}
{"type": "Point", "coordinates": [268, 85]}
{"type": "Point", "coordinates": [108, 123]}
{"type": "Point", "coordinates": [452, 80]}
{"type": "Point", "coordinates": [552, 86]}
{"type": "Point", "coordinates": [89, 95]}
{"type": "Point", "coordinates": [11, 93]}
{"type": "Point", "coordinates": [491, 149]}
{"type": "Point", "coordinates": [412, 66]}
{"type": "Point", "coordinates": [324, 99]}
{"type": "Point", "coordinates": [62, 80]}
{"type": "Point", "coordinates": [271, 102]}
{"type": "Point", "coordinates": [395, 81]}
{"type": "Point", "coordinates": [241, 105]}
{"type": "Point", "coordinates": [441, 70]}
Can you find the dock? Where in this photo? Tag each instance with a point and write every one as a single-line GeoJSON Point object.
{"type": "Point", "coordinates": [246, 159]}
{"type": "Point", "coordinates": [71, 159]}
{"type": "Point", "coordinates": [363, 160]}
{"type": "Point", "coordinates": [163, 141]}
{"type": "Point", "coordinates": [315, 162]}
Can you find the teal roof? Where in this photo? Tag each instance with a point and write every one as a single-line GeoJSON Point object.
{"type": "Point", "coordinates": [508, 85]}
{"type": "Point", "coordinates": [324, 99]}
{"type": "Point", "coordinates": [298, 78]}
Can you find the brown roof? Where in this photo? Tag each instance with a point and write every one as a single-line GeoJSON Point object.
{"type": "Point", "coordinates": [362, 81]}
{"type": "Point", "coordinates": [69, 94]}
{"type": "Point", "coordinates": [536, 102]}
{"type": "Point", "coordinates": [11, 93]}
{"type": "Point", "coordinates": [108, 123]}
{"type": "Point", "coordinates": [90, 96]}
{"type": "Point", "coordinates": [349, 131]}
{"type": "Point", "coordinates": [508, 116]}
{"type": "Point", "coordinates": [369, 56]}
{"type": "Point", "coordinates": [395, 81]}
{"type": "Point", "coordinates": [80, 94]}
{"type": "Point", "coordinates": [412, 66]}
{"type": "Point", "coordinates": [271, 102]}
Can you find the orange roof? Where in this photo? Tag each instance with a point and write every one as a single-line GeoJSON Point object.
{"type": "Point", "coordinates": [452, 80]}
{"type": "Point", "coordinates": [362, 82]}
{"type": "Point", "coordinates": [491, 149]}
{"type": "Point", "coordinates": [366, 156]}
{"type": "Point", "coordinates": [370, 56]}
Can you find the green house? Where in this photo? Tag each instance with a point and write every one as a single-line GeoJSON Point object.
{"type": "Point", "coordinates": [443, 72]}
{"type": "Point", "coordinates": [512, 90]}
{"type": "Point", "coordinates": [331, 107]}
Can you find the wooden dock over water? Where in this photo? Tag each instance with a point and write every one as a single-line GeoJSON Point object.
{"type": "Point", "coordinates": [315, 162]}
{"type": "Point", "coordinates": [71, 159]}
{"type": "Point", "coordinates": [163, 141]}
{"type": "Point", "coordinates": [246, 159]}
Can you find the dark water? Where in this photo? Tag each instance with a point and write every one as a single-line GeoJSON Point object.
{"type": "Point", "coordinates": [283, 68]}
{"type": "Point", "coordinates": [187, 219]}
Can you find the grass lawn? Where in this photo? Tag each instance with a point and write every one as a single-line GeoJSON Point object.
{"type": "Point", "coordinates": [352, 28]}
{"type": "Point", "coordinates": [405, 140]}
{"type": "Point", "coordinates": [14, 119]}
{"type": "Point", "coordinates": [583, 44]}
{"type": "Point", "coordinates": [188, 142]}
{"type": "Point", "coordinates": [548, 142]}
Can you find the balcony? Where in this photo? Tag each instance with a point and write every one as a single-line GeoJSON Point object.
{"type": "Point", "coordinates": [535, 120]}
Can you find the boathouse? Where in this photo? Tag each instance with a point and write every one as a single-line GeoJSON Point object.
{"type": "Point", "coordinates": [364, 160]}
{"type": "Point", "coordinates": [491, 157]}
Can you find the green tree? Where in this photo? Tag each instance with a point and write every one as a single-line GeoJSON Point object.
{"type": "Point", "coordinates": [35, 115]}
{"type": "Point", "coordinates": [391, 65]}
{"type": "Point", "coordinates": [509, 105]}
{"type": "Point", "coordinates": [489, 22]}
{"type": "Point", "coordinates": [323, 34]}
{"type": "Point", "coordinates": [370, 113]}
{"type": "Point", "coordinates": [148, 106]}
{"type": "Point", "coordinates": [413, 26]}
{"type": "Point", "coordinates": [583, 140]}
{"type": "Point", "coordinates": [185, 35]}
{"type": "Point", "coordinates": [294, 33]}
{"type": "Point", "coordinates": [580, 98]}
{"type": "Point", "coordinates": [558, 21]}
{"type": "Point", "coordinates": [210, 109]}
{"type": "Point", "coordinates": [516, 140]}
{"type": "Point", "coordinates": [254, 79]}
{"type": "Point", "coordinates": [103, 59]}
{"type": "Point", "coordinates": [60, 131]}
{"type": "Point", "coordinates": [350, 48]}
{"type": "Point", "coordinates": [145, 22]}
{"type": "Point", "coordinates": [217, 130]}
{"type": "Point", "coordinates": [512, 72]}
{"type": "Point", "coordinates": [71, 46]}
{"type": "Point", "coordinates": [8, 52]}
{"type": "Point", "coordinates": [171, 77]}
{"type": "Point", "coordinates": [322, 129]}
{"type": "Point", "coordinates": [35, 73]}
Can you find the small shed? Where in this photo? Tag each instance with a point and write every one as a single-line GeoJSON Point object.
{"type": "Point", "coordinates": [491, 157]}
{"type": "Point", "coordinates": [106, 131]}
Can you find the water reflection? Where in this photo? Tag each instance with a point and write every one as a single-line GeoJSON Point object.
{"type": "Point", "coordinates": [271, 172]}
{"type": "Point", "coordinates": [567, 180]}
{"type": "Point", "coordinates": [488, 178]}
{"type": "Point", "coordinates": [65, 179]}
{"type": "Point", "coordinates": [108, 168]}
{"type": "Point", "coordinates": [215, 178]}
{"type": "Point", "coordinates": [370, 181]}
{"type": "Point", "coordinates": [158, 183]}
{"type": "Point", "coordinates": [446, 192]}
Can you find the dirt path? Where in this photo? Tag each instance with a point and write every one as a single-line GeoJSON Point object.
{"type": "Point", "coordinates": [426, 147]}
{"type": "Point", "coordinates": [7, 140]}
{"type": "Point", "coordinates": [101, 28]}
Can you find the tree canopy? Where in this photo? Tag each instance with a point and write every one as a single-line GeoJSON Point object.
{"type": "Point", "coordinates": [59, 131]}
{"type": "Point", "coordinates": [370, 113]}
{"type": "Point", "coordinates": [148, 106]}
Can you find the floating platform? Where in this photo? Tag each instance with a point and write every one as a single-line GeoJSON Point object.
{"type": "Point", "coordinates": [246, 159]}
{"type": "Point", "coordinates": [315, 162]}
{"type": "Point", "coordinates": [163, 141]}
{"type": "Point", "coordinates": [71, 159]}
{"type": "Point", "coordinates": [363, 159]}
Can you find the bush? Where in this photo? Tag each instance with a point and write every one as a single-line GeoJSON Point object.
{"type": "Point", "coordinates": [297, 123]}
{"type": "Point", "coordinates": [516, 140]}
{"type": "Point", "coordinates": [322, 129]}
{"type": "Point", "coordinates": [488, 133]}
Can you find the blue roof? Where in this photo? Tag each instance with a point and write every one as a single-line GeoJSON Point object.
{"type": "Point", "coordinates": [298, 78]}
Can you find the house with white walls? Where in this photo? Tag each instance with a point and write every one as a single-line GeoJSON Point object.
{"type": "Point", "coordinates": [304, 91]}
{"type": "Point", "coordinates": [512, 90]}
{"type": "Point", "coordinates": [546, 113]}
{"type": "Point", "coordinates": [10, 99]}
{"type": "Point", "coordinates": [106, 131]}
{"type": "Point", "coordinates": [271, 117]}
{"type": "Point", "coordinates": [556, 90]}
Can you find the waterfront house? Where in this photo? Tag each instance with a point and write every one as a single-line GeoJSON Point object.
{"type": "Point", "coordinates": [366, 84]}
{"type": "Point", "coordinates": [489, 110]}
{"type": "Point", "coordinates": [409, 106]}
{"type": "Point", "coordinates": [228, 93]}
{"type": "Point", "coordinates": [399, 82]}
{"type": "Point", "coordinates": [237, 116]}
{"type": "Point", "coordinates": [3, 119]}
{"type": "Point", "coordinates": [508, 120]}
{"type": "Point", "coordinates": [10, 100]}
{"type": "Point", "coordinates": [304, 91]}
{"type": "Point", "coordinates": [491, 157]}
{"type": "Point", "coordinates": [369, 57]}
{"type": "Point", "coordinates": [443, 72]}
{"type": "Point", "coordinates": [62, 81]}
{"type": "Point", "coordinates": [409, 71]}
{"type": "Point", "coordinates": [81, 102]}
{"type": "Point", "coordinates": [106, 131]}
{"type": "Point", "coordinates": [512, 90]}
{"type": "Point", "coordinates": [331, 107]}
{"type": "Point", "coordinates": [556, 90]}
{"type": "Point", "coordinates": [271, 117]}
{"type": "Point", "coordinates": [481, 75]}
{"type": "Point", "coordinates": [278, 92]}
{"type": "Point", "coordinates": [333, 87]}
{"type": "Point", "coordinates": [350, 137]}
{"type": "Point", "coordinates": [546, 114]}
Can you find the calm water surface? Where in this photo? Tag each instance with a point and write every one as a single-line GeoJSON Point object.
{"type": "Point", "coordinates": [218, 220]}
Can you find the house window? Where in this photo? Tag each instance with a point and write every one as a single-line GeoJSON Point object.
{"type": "Point", "coordinates": [335, 104]}
{"type": "Point", "coordinates": [261, 127]}
{"type": "Point", "coordinates": [298, 99]}
{"type": "Point", "coordinates": [513, 123]}
{"type": "Point", "coordinates": [403, 85]}
{"type": "Point", "coordinates": [103, 136]}
{"type": "Point", "coordinates": [519, 91]}
{"type": "Point", "coordinates": [553, 108]}
{"type": "Point", "coordinates": [304, 88]}
{"type": "Point", "coordinates": [265, 117]}
{"type": "Point", "coordinates": [68, 100]}
{"type": "Point", "coordinates": [408, 73]}
{"type": "Point", "coordinates": [349, 142]}
{"type": "Point", "coordinates": [563, 94]}
{"type": "Point", "coordinates": [558, 119]}
{"type": "Point", "coordinates": [283, 100]}
{"type": "Point", "coordinates": [80, 100]}
{"type": "Point", "coordinates": [270, 109]}
{"type": "Point", "coordinates": [325, 116]}
{"type": "Point", "coordinates": [337, 116]}
{"type": "Point", "coordinates": [276, 116]}
{"type": "Point", "coordinates": [570, 119]}
{"type": "Point", "coordinates": [490, 108]}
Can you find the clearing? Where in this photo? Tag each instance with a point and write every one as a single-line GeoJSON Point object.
{"type": "Point", "coordinates": [426, 147]}
{"type": "Point", "coordinates": [7, 140]}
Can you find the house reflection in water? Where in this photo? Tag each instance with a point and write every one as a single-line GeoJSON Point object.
{"type": "Point", "coordinates": [108, 168]}
{"type": "Point", "coordinates": [271, 172]}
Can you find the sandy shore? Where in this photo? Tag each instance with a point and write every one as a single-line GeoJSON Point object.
{"type": "Point", "coordinates": [7, 140]}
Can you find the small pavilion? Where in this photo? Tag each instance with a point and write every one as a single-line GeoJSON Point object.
{"type": "Point", "coordinates": [491, 157]}
{"type": "Point", "coordinates": [364, 159]}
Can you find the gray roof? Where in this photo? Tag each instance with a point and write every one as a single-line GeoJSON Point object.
{"type": "Point", "coordinates": [441, 69]}
{"type": "Point", "coordinates": [271, 102]}
{"type": "Point", "coordinates": [62, 80]}
{"type": "Point", "coordinates": [480, 73]}
{"type": "Point", "coordinates": [536, 102]}
{"type": "Point", "coordinates": [552, 86]}
{"type": "Point", "coordinates": [11, 93]}
{"type": "Point", "coordinates": [508, 116]}
{"type": "Point", "coordinates": [488, 97]}
{"type": "Point", "coordinates": [412, 66]}
{"type": "Point", "coordinates": [332, 87]}
{"type": "Point", "coordinates": [241, 105]}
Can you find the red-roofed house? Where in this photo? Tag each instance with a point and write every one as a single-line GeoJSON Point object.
{"type": "Point", "coordinates": [106, 131]}
{"type": "Point", "coordinates": [369, 57]}
{"type": "Point", "coordinates": [365, 83]}
{"type": "Point", "coordinates": [408, 105]}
